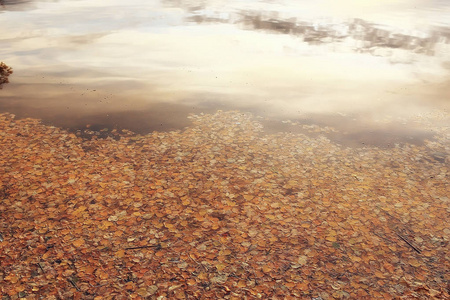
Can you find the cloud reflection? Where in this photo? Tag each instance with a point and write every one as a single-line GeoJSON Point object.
{"type": "Point", "coordinates": [88, 60]}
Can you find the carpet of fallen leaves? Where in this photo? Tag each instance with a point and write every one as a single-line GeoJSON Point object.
{"type": "Point", "coordinates": [220, 210]}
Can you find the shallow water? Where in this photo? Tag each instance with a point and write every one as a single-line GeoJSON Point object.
{"type": "Point", "coordinates": [314, 165]}
{"type": "Point", "coordinates": [145, 66]}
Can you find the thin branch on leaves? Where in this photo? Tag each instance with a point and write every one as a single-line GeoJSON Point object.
{"type": "Point", "coordinates": [73, 283]}
{"type": "Point", "coordinates": [40, 267]}
{"type": "Point", "coordinates": [158, 246]}
{"type": "Point", "coordinates": [409, 243]}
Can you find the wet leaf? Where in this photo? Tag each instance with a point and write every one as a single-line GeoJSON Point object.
{"type": "Point", "coordinates": [219, 210]}
{"type": "Point", "coordinates": [302, 260]}
{"type": "Point", "coordinates": [120, 253]}
{"type": "Point", "coordinates": [78, 243]}
{"type": "Point", "coordinates": [220, 267]}
{"type": "Point", "coordinates": [266, 269]}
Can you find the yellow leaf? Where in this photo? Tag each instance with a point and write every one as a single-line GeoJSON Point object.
{"type": "Point", "coordinates": [266, 269]}
{"type": "Point", "coordinates": [20, 288]}
{"type": "Point", "coordinates": [303, 286]}
{"type": "Point", "coordinates": [65, 231]}
{"type": "Point", "coordinates": [12, 278]}
{"type": "Point", "coordinates": [241, 284]}
{"type": "Point", "coordinates": [100, 274]}
{"type": "Point", "coordinates": [225, 252]}
{"type": "Point", "coordinates": [138, 195]}
{"type": "Point", "coordinates": [355, 258]}
{"type": "Point", "coordinates": [142, 292]}
{"type": "Point", "coordinates": [302, 259]}
{"type": "Point", "coordinates": [220, 267]}
{"type": "Point", "coordinates": [427, 253]}
{"type": "Point", "coordinates": [120, 253]}
{"type": "Point", "coordinates": [78, 243]}
{"type": "Point", "coordinates": [414, 262]}
{"type": "Point", "coordinates": [331, 238]}
{"type": "Point", "coordinates": [105, 224]}
{"type": "Point", "coordinates": [248, 197]}
{"type": "Point", "coordinates": [275, 205]}
{"type": "Point", "coordinates": [169, 226]}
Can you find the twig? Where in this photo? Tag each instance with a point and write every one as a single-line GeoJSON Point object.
{"type": "Point", "coordinates": [409, 244]}
{"type": "Point", "coordinates": [399, 235]}
{"type": "Point", "coordinates": [73, 283]}
{"type": "Point", "coordinates": [206, 269]}
{"type": "Point", "coordinates": [40, 267]}
{"type": "Point", "coordinates": [158, 246]}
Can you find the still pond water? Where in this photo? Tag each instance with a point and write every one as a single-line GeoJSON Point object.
{"type": "Point", "coordinates": [364, 68]}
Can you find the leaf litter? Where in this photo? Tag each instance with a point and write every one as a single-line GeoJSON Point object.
{"type": "Point", "coordinates": [220, 210]}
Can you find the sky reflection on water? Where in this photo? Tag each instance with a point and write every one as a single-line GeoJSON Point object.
{"type": "Point", "coordinates": [112, 64]}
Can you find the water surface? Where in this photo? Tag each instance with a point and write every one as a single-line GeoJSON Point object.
{"type": "Point", "coordinates": [145, 65]}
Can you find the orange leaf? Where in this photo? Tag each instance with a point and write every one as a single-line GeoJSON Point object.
{"type": "Point", "coordinates": [266, 269]}
{"type": "Point", "coordinates": [302, 259]}
{"type": "Point", "coordinates": [225, 252]}
{"type": "Point", "coordinates": [12, 278]}
{"type": "Point", "coordinates": [100, 274]}
{"type": "Point", "coordinates": [120, 253]}
{"type": "Point", "coordinates": [220, 267]}
{"type": "Point", "coordinates": [78, 243]}
{"type": "Point", "coordinates": [241, 284]}
{"type": "Point", "coordinates": [303, 286]}
{"type": "Point", "coordinates": [331, 238]}
{"type": "Point", "coordinates": [169, 226]}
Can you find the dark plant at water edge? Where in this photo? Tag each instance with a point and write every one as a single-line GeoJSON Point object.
{"type": "Point", "coordinates": [5, 71]}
